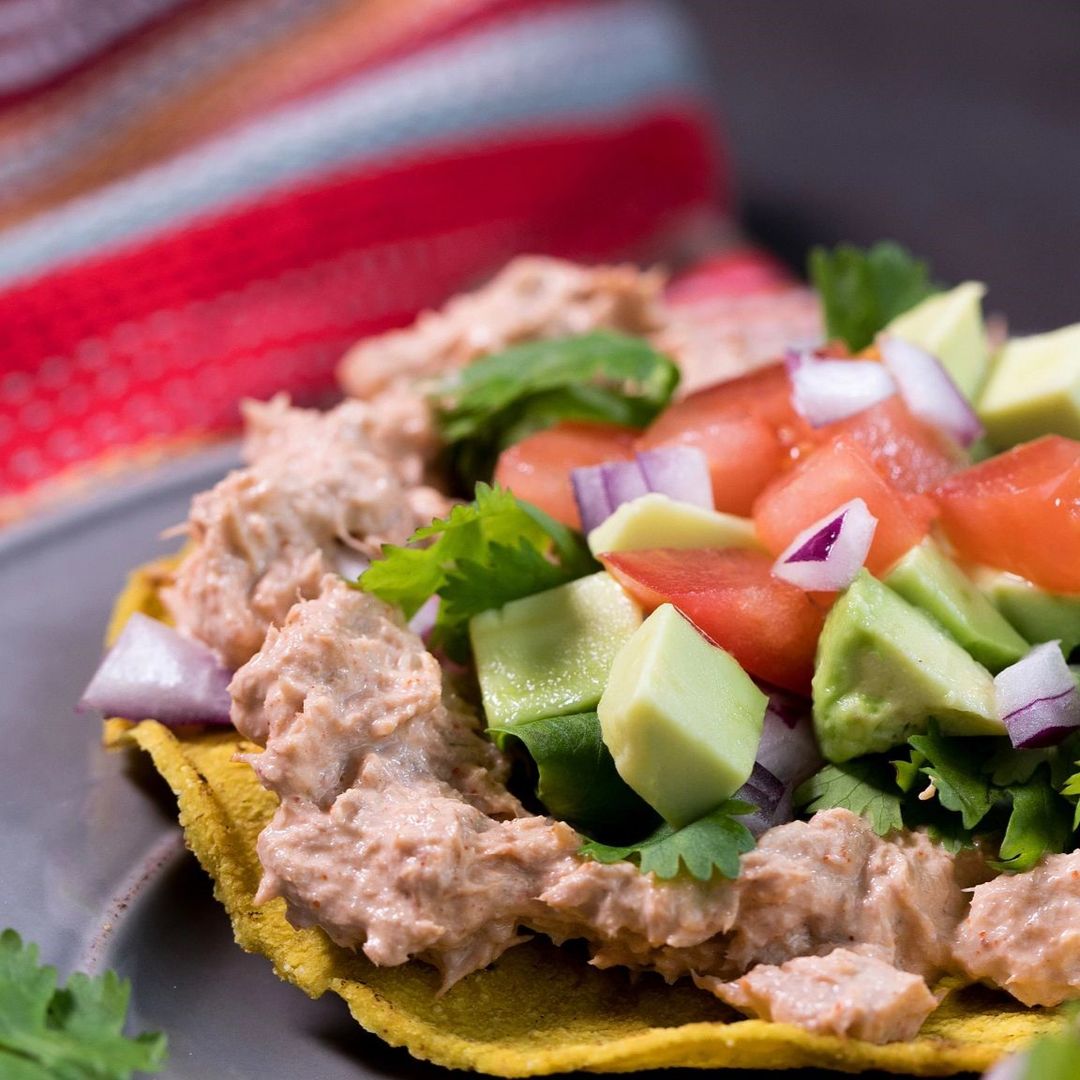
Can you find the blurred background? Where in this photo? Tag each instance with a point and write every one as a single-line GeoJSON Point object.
{"type": "Point", "coordinates": [206, 199]}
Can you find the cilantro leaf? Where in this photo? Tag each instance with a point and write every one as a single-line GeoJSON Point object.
{"type": "Point", "coordinates": [865, 786]}
{"type": "Point", "coordinates": [1039, 823]}
{"type": "Point", "coordinates": [863, 290]}
{"type": "Point", "coordinates": [530, 551]}
{"type": "Point", "coordinates": [712, 844]}
{"type": "Point", "coordinates": [74, 1032]}
{"type": "Point", "coordinates": [956, 773]}
{"type": "Point", "coordinates": [577, 779]}
{"type": "Point", "coordinates": [498, 400]}
{"type": "Point", "coordinates": [1072, 791]}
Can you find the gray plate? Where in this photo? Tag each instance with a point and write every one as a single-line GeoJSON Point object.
{"type": "Point", "coordinates": [92, 865]}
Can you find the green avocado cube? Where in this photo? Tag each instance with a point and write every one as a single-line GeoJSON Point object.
{"type": "Point", "coordinates": [655, 521]}
{"type": "Point", "coordinates": [1034, 389]}
{"type": "Point", "coordinates": [929, 579]}
{"type": "Point", "coordinates": [950, 326]}
{"type": "Point", "coordinates": [550, 654]}
{"type": "Point", "coordinates": [884, 668]}
{"type": "Point", "coordinates": [1038, 615]}
{"type": "Point", "coordinates": [681, 718]}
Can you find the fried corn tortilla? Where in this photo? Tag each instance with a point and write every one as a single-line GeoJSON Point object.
{"type": "Point", "coordinates": [538, 1009]}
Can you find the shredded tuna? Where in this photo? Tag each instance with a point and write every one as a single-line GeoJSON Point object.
{"type": "Point", "coordinates": [1023, 932]}
{"type": "Point", "coordinates": [397, 834]}
{"type": "Point", "coordinates": [266, 535]}
{"type": "Point", "coordinates": [844, 993]}
{"type": "Point", "coordinates": [533, 297]}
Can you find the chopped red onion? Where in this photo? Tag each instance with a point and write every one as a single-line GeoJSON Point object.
{"type": "Point", "coordinates": [1037, 698]}
{"type": "Point", "coordinates": [824, 391]}
{"type": "Point", "coordinates": [349, 562]}
{"type": "Point", "coordinates": [423, 622]}
{"type": "Point", "coordinates": [623, 481]}
{"type": "Point", "coordinates": [764, 792]}
{"type": "Point", "coordinates": [828, 554]}
{"type": "Point", "coordinates": [590, 494]}
{"type": "Point", "coordinates": [680, 472]}
{"type": "Point", "coordinates": [789, 752]}
{"type": "Point", "coordinates": [155, 673]}
{"type": "Point", "coordinates": [929, 391]}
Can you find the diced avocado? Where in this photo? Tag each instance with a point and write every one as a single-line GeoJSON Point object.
{"type": "Point", "coordinates": [884, 669]}
{"type": "Point", "coordinates": [950, 325]}
{"type": "Point", "coordinates": [681, 718]}
{"type": "Point", "coordinates": [1037, 614]}
{"type": "Point", "coordinates": [1034, 389]}
{"type": "Point", "coordinates": [929, 579]}
{"type": "Point", "coordinates": [655, 521]}
{"type": "Point", "coordinates": [549, 654]}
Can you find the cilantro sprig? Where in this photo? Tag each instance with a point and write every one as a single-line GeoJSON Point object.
{"type": "Point", "coordinates": [862, 291]}
{"type": "Point", "coordinates": [74, 1032]}
{"type": "Point", "coordinates": [498, 400]}
{"type": "Point", "coordinates": [484, 554]}
{"type": "Point", "coordinates": [712, 844]}
{"type": "Point", "coordinates": [959, 788]}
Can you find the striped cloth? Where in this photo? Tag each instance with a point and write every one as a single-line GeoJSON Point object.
{"type": "Point", "coordinates": [207, 199]}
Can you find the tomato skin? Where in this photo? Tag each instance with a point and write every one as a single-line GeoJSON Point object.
{"type": "Point", "coordinates": [911, 455]}
{"type": "Point", "coordinates": [768, 625]}
{"type": "Point", "coordinates": [743, 454]}
{"type": "Point", "coordinates": [831, 475]}
{"type": "Point", "coordinates": [538, 468]}
{"type": "Point", "coordinates": [1020, 511]}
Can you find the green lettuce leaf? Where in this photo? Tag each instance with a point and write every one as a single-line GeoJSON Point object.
{"type": "Point", "coordinates": [712, 844]}
{"type": "Point", "coordinates": [577, 780]}
{"type": "Point", "coordinates": [483, 555]}
{"type": "Point", "coordinates": [862, 291]}
{"type": "Point", "coordinates": [498, 400]}
{"type": "Point", "coordinates": [74, 1032]}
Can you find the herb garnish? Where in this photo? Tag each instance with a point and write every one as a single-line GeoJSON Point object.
{"type": "Point", "coordinates": [74, 1032]}
{"type": "Point", "coordinates": [959, 788]}
{"type": "Point", "coordinates": [484, 554]}
{"type": "Point", "coordinates": [862, 291]}
{"type": "Point", "coordinates": [711, 844]}
{"type": "Point", "coordinates": [497, 400]}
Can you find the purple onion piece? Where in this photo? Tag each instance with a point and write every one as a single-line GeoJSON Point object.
{"type": "Point", "coordinates": [349, 562]}
{"type": "Point", "coordinates": [824, 391]}
{"type": "Point", "coordinates": [590, 494]}
{"type": "Point", "coordinates": [155, 673]}
{"type": "Point", "coordinates": [1013, 1067]}
{"type": "Point", "coordinates": [789, 750]}
{"type": "Point", "coordinates": [929, 391]}
{"type": "Point", "coordinates": [423, 622]}
{"type": "Point", "coordinates": [624, 482]}
{"type": "Point", "coordinates": [680, 472]}
{"type": "Point", "coordinates": [828, 555]}
{"type": "Point", "coordinates": [1037, 698]}
{"type": "Point", "coordinates": [765, 793]}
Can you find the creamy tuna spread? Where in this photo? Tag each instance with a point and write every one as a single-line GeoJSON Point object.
{"type": "Point", "coordinates": [396, 831]}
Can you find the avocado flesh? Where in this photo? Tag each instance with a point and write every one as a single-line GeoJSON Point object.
{"type": "Point", "coordinates": [1034, 389]}
{"type": "Point", "coordinates": [550, 654]}
{"type": "Point", "coordinates": [655, 521]}
{"type": "Point", "coordinates": [950, 326]}
{"type": "Point", "coordinates": [884, 669]}
{"type": "Point", "coordinates": [681, 718]}
{"type": "Point", "coordinates": [1037, 614]}
{"type": "Point", "coordinates": [932, 582]}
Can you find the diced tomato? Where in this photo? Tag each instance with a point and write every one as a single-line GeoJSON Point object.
{"type": "Point", "coordinates": [911, 455]}
{"type": "Point", "coordinates": [744, 454]}
{"type": "Point", "coordinates": [768, 625]}
{"type": "Point", "coordinates": [538, 468]}
{"type": "Point", "coordinates": [831, 475]}
{"type": "Point", "coordinates": [1020, 511]}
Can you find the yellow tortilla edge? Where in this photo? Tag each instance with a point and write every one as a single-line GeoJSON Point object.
{"type": "Point", "coordinates": [539, 1009]}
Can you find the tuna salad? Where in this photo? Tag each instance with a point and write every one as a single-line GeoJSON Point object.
{"type": "Point", "coordinates": [734, 650]}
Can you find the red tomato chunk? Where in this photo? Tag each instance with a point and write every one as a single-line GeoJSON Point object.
{"type": "Point", "coordinates": [768, 625]}
{"type": "Point", "coordinates": [1020, 511]}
